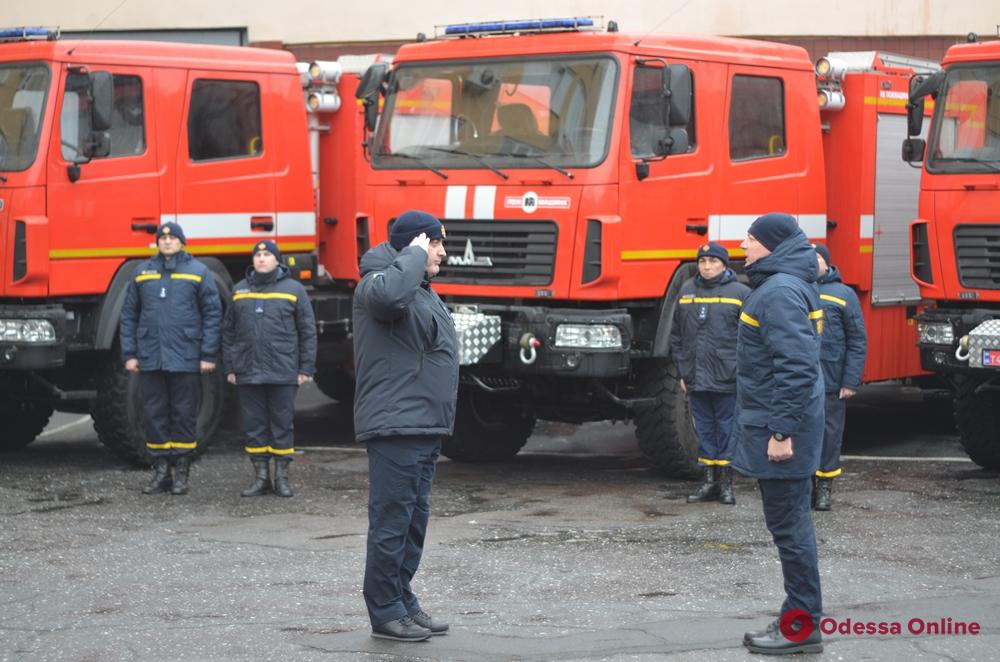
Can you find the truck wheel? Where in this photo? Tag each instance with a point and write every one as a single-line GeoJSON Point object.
{"type": "Point", "coordinates": [977, 417]}
{"type": "Point", "coordinates": [665, 431]}
{"type": "Point", "coordinates": [118, 412]}
{"type": "Point", "coordinates": [337, 384]}
{"type": "Point", "coordinates": [22, 422]}
{"type": "Point", "coordinates": [487, 428]}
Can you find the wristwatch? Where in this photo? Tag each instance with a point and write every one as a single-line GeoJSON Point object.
{"type": "Point", "coordinates": [778, 436]}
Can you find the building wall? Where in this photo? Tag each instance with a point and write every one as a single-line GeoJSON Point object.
{"type": "Point", "coordinates": [308, 22]}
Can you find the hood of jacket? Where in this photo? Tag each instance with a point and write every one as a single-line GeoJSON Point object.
{"type": "Point", "coordinates": [832, 275]}
{"type": "Point", "coordinates": [794, 256]}
{"type": "Point", "coordinates": [253, 278]}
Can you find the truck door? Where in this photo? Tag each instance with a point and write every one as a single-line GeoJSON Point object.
{"type": "Point", "coordinates": [225, 197]}
{"type": "Point", "coordinates": [675, 199]}
{"type": "Point", "coordinates": [113, 207]}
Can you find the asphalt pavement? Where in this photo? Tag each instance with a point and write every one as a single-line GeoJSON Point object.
{"type": "Point", "coordinates": [572, 550]}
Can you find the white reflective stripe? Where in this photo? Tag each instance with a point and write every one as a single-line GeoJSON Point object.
{"type": "Point", "coordinates": [867, 226]}
{"type": "Point", "coordinates": [733, 227]}
{"type": "Point", "coordinates": [214, 226]}
{"type": "Point", "coordinates": [454, 201]}
{"type": "Point", "coordinates": [484, 201]}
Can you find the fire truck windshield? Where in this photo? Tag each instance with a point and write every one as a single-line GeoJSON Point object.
{"type": "Point", "coordinates": [965, 135]}
{"type": "Point", "coordinates": [23, 88]}
{"type": "Point", "coordinates": [527, 113]}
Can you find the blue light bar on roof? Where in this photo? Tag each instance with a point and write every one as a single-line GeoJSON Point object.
{"type": "Point", "coordinates": [526, 25]}
{"type": "Point", "coordinates": [24, 34]}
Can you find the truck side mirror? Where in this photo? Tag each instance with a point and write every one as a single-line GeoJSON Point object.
{"type": "Point", "coordinates": [920, 86]}
{"type": "Point", "coordinates": [371, 81]}
{"type": "Point", "coordinates": [102, 100]}
{"type": "Point", "coordinates": [914, 117]}
{"type": "Point", "coordinates": [679, 89]}
{"type": "Point", "coordinates": [913, 149]}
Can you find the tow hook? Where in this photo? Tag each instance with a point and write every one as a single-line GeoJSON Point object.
{"type": "Point", "coordinates": [962, 351]}
{"type": "Point", "coordinates": [529, 343]}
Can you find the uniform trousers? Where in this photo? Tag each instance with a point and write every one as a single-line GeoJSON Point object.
{"type": "Point", "coordinates": [713, 423]}
{"type": "Point", "coordinates": [833, 436]}
{"type": "Point", "coordinates": [171, 401]}
{"type": "Point", "coordinates": [787, 512]}
{"type": "Point", "coordinates": [400, 475]}
{"type": "Point", "coordinates": [269, 418]}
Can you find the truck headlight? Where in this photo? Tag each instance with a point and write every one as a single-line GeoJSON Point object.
{"type": "Point", "coordinates": [27, 331]}
{"type": "Point", "coordinates": [593, 336]}
{"type": "Point", "coordinates": [935, 333]}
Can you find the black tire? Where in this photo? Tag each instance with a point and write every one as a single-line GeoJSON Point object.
{"type": "Point", "coordinates": [977, 417]}
{"type": "Point", "coordinates": [118, 411]}
{"type": "Point", "coordinates": [665, 431]}
{"type": "Point", "coordinates": [23, 421]}
{"type": "Point", "coordinates": [487, 428]}
{"type": "Point", "coordinates": [336, 384]}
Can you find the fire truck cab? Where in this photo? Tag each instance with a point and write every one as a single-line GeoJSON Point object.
{"type": "Point", "coordinates": [955, 253]}
{"type": "Point", "coordinates": [100, 143]}
{"type": "Point", "coordinates": [577, 170]}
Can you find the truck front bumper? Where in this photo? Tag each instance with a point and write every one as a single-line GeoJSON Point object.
{"type": "Point", "coordinates": [32, 337]}
{"type": "Point", "coordinates": [524, 340]}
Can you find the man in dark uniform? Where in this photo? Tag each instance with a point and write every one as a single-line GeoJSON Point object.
{"type": "Point", "coordinates": [406, 357]}
{"type": "Point", "coordinates": [703, 346]}
{"type": "Point", "coordinates": [169, 334]}
{"type": "Point", "coordinates": [779, 432]}
{"type": "Point", "coordinates": [845, 346]}
{"type": "Point", "coordinates": [269, 350]}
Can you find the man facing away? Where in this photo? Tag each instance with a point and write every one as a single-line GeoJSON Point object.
{"type": "Point", "coordinates": [845, 346]}
{"type": "Point", "coordinates": [406, 357]}
{"type": "Point", "coordinates": [779, 432]}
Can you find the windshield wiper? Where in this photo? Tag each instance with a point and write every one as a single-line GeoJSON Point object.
{"type": "Point", "coordinates": [416, 159]}
{"type": "Point", "coordinates": [477, 157]}
{"type": "Point", "coordinates": [968, 159]}
{"type": "Point", "coordinates": [538, 159]}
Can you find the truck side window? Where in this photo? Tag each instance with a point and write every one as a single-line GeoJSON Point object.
{"type": "Point", "coordinates": [646, 124]}
{"type": "Point", "coordinates": [756, 118]}
{"type": "Point", "coordinates": [128, 118]}
{"type": "Point", "coordinates": [224, 121]}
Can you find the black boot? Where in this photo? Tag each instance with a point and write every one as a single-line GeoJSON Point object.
{"type": "Point", "coordinates": [824, 493]}
{"type": "Point", "coordinates": [709, 490]}
{"type": "Point", "coordinates": [281, 487]}
{"type": "Point", "coordinates": [161, 478]}
{"type": "Point", "coordinates": [181, 469]}
{"type": "Point", "coordinates": [726, 495]}
{"type": "Point", "coordinates": [262, 482]}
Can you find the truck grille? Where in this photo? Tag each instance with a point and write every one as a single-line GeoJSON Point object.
{"type": "Point", "coordinates": [977, 254]}
{"type": "Point", "coordinates": [499, 252]}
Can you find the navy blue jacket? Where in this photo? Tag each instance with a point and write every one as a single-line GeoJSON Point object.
{"type": "Point", "coordinates": [269, 334]}
{"type": "Point", "coordinates": [779, 386]}
{"type": "Point", "coordinates": [405, 349]}
{"type": "Point", "coordinates": [845, 343]}
{"type": "Point", "coordinates": [172, 314]}
{"type": "Point", "coordinates": [703, 336]}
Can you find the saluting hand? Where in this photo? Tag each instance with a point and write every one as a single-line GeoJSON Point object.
{"type": "Point", "coordinates": [423, 241]}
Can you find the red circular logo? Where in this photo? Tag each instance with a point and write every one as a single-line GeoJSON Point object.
{"type": "Point", "coordinates": [796, 625]}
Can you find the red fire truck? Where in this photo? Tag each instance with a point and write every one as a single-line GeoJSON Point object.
{"type": "Point", "coordinates": [956, 237]}
{"type": "Point", "coordinates": [101, 142]}
{"type": "Point", "coordinates": [578, 169]}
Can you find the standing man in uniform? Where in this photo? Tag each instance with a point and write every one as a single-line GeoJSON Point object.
{"type": "Point", "coordinates": [169, 335]}
{"type": "Point", "coordinates": [779, 434]}
{"type": "Point", "coordinates": [269, 350]}
{"type": "Point", "coordinates": [845, 346]}
{"type": "Point", "coordinates": [406, 357]}
{"type": "Point", "coordinates": [703, 344]}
